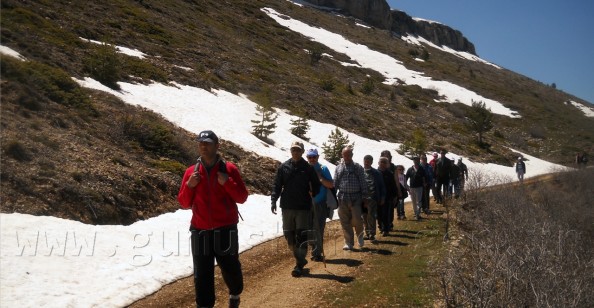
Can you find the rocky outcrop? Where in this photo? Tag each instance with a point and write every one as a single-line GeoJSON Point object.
{"type": "Point", "coordinates": [377, 13]}
{"type": "Point", "coordinates": [373, 12]}
{"type": "Point", "coordinates": [437, 33]}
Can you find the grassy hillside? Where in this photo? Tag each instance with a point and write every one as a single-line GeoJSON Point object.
{"type": "Point", "coordinates": [85, 155]}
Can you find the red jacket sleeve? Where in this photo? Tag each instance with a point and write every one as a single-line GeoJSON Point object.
{"type": "Point", "coordinates": [235, 186]}
{"type": "Point", "coordinates": [186, 194]}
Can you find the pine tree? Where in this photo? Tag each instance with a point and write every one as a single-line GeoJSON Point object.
{"type": "Point", "coordinates": [336, 142]}
{"type": "Point", "coordinates": [300, 127]}
{"type": "Point", "coordinates": [265, 125]}
{"type": "Point", "coordinates": [479, 119]}
{"type": "Point", "coordinates": [417, 145]}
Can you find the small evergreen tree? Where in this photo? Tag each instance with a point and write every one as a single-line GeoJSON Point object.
{"type": "Point", "coordinates": [336, 142]}
{"type": "Point", "coordinates": [479, 119]}
{"type": "Point", "coordinates": [300, 127]}
{"type": "Point", "coordinates": [425, 54]}
{"type": "Point", "coordinates": [368, 86]}
{"type": "Point", "coordinates": [315, 55]}
{"type": "Point", "coordinates": [265, 125]}
{"type": "Point", "coordinates": [417, 145]}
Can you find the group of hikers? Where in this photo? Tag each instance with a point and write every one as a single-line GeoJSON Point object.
{"type": "Point", "coordinates": [366, 198]}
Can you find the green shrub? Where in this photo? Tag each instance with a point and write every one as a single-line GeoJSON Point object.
{"type": "Point", "coordinates": [17, 151]}
{"type": "Point", "coordinates": [104, 65]}
{"type": "Point", "coordinates": [498, 134]}
{"type": "Point", "coordinates": [413, 53]}
{"type": "Point", "coordinates": [143, 69]}
{"type": "Point", "coordinates": [327, 84]}
{"type": "Point", "coordinates": [147, 131]}
{"type": "Point", "coordinates": [412, 104]}
{"type": "Point", "coordinates": [43, 80]}
{"type": "Point", "coordinates": [172, 166]}
{"type": "Point", "coordinates": [368, 86]}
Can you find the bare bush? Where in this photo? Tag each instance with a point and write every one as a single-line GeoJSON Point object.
{"type": "Point", "coordinates": [516, 246]}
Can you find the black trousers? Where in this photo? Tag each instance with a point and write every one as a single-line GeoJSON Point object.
{"type": "Point", "coordinates": [220, 245]}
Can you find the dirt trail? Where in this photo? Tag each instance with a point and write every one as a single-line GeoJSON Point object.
{"type": "Point", "coordinates": [267, 278]}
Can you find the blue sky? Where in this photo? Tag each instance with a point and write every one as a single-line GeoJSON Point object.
{"type": "Point", "coordinates": [548, 41]}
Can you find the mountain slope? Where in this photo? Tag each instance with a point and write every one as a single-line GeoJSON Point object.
{"type": "Point", "coordinates": [84, 155]}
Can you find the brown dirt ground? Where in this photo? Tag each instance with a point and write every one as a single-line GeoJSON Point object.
{"type": "Point", "coordinates": [267, 268]}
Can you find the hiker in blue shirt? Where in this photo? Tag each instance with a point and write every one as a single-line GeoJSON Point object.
{"type": "Point", "coordinates": [319, 210]}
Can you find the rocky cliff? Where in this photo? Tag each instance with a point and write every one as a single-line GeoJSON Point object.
{"type": "Point", "coordinates": [378, 14]}
{"type": "Point", "coordinates": [436, 33]}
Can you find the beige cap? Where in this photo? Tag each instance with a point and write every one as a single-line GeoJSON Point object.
{"type": "Point", "coordinates": [297, 144]}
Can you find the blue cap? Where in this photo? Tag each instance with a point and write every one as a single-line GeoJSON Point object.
{"type": "Point", "coordinates": [312, 152]}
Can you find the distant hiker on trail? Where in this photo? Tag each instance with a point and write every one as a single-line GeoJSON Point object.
{"type": "Point", "coordinates": [454, 179]}
{"type": "Point", "coordinates": [434, 188]}
{"type": "Point", "coordinates": [402, 189]}
{"type": "Point", "coordinates": [429, 173]}
{"type": "Point", "coordinates": [320, 210]}
{"type": "Point", "coordinates": [463, 177]}
{"type": "Point", "coordinates": [295, 183]}
{"type": "Point", "coordinates": [392, 167]}
{"type": "Point", "coordinates": [376, 196]}
{"type": "Point", "coordinates": [520, 169]}
{"type": "Point", "coordinates": [443, 169]}
{"type": "Point", "coordinates": [212, 188]}
{"type": "Point", "coordinates": [349, 179]}
{"type": "Point", "coordinates": [418, 179]}
{"type": "Point", "coordinates": [383, 216]}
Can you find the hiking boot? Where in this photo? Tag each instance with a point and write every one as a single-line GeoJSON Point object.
{"type": "Point", "coordinates": [361, 242]}
{"type": "Point", "coordinates": [347, 247]}
{"type": "Point", "coordinates": [234, 302]}
{"type": "Point", "coordinates": [297, 271]}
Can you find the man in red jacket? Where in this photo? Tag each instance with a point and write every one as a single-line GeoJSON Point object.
{"type": "Point", "coordinates": [212, 188]}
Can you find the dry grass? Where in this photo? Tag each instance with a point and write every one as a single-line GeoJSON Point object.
{"type": "Point", "coordinates": [523, 246]}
